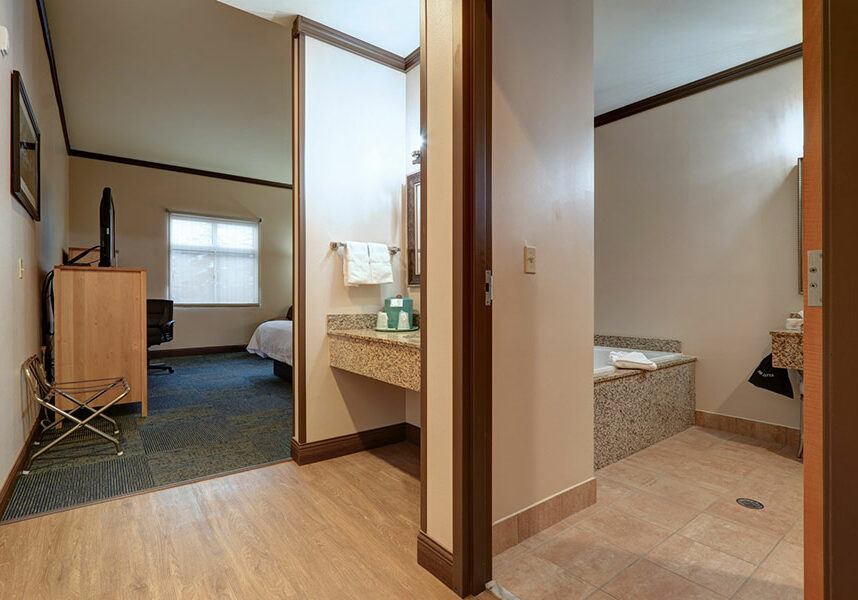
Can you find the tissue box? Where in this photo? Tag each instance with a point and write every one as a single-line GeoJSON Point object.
{"type": "Point", "coordinates": [393, 306]}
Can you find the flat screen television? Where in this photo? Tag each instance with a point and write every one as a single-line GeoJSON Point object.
{"type": "Point", "coordinates": [107, 225]}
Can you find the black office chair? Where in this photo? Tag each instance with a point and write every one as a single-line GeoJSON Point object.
{"type": "Point", "coordinates": [159, 327]}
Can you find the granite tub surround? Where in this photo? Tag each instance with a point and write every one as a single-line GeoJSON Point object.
{"type": "Point", "coordinates": [788, 349]}
{"type": "Point", "coordinates": [637, 343]}
{"type": "Point", "coordinates": [682, 359]}
{"type": "Point", "coordinates": [636, 409]}
{"type": "Point", "coordinates": [393, 358]}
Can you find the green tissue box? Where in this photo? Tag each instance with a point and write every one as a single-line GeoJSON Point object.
{"type": "Point", "coordinates": [394, 306]}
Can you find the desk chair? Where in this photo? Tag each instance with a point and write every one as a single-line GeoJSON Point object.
{"type": "Point", "coordinates": [81, 393]}
{"type": "Point", "coordinates": [159, 327]}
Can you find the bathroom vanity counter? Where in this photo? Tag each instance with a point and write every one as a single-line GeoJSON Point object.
{"type": "Point", "coordinates": [389, 357]}
{"type": "Point", "coordinates": [788, 349]}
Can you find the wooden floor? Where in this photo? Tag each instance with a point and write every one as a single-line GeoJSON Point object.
{"type": "Point", "coordinates": [344, 528]}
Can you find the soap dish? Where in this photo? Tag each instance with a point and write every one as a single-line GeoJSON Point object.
{"type": "Point", "coordinates": [385, 330]}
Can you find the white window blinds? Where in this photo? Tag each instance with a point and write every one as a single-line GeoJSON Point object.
{"type": "Point", "coordinates": [213, 260]}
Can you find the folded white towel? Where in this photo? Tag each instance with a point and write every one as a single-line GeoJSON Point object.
{"type": "Point", "coordinates": [632, 360]}
{"type": "Point", "coordinates": [356, 266]}
{"type": "Point", "coordinates": [380, 270]}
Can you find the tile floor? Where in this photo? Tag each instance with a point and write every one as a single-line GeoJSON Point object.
{"type": "Point", "coordinates": [666, 526]}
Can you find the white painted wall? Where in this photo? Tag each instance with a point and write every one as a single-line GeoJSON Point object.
{"type": "Point", "coordinates": [142, 197]}
{"type": "Point", "coordinates": [696, 231]}
{"type": "Point", "coordinates": [542, 195]}
{"type": "Point", "coordinates": [39, 244]}
{"type": "Point", "coordinates": [353, 175]}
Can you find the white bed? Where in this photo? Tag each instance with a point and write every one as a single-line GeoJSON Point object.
{"type": "Point", "coordinates": [273, 339]}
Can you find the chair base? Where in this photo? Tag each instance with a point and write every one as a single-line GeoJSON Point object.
{"type": "Point", "coordinates": [160, 367]}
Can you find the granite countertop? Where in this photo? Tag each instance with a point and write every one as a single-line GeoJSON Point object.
{"type": "Point", "coordinates": [620, 373]}
{"type": "Point", "coordinates": [788, 349]}
{"type": "Point", "coordinates": [410, 339]}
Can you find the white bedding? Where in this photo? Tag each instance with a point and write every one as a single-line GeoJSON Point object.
{"type": "Point", "coordinates": [273, 339]}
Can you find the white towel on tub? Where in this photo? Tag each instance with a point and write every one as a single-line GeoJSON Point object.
{"type": "Point", "coordinates": [356, 269]}
{"type": "Point", "coordinates": [632, 360]}
{"type": "Point", "coordinates": [380, 270]}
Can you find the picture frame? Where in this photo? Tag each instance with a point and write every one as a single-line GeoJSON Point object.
{"type": "Point", "coordinates": [26, 150]}
{"type": "Point", "coordinates": [413, 197]}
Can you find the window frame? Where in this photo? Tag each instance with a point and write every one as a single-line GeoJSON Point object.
{"type": "Point", "coordinates": [210, 217]}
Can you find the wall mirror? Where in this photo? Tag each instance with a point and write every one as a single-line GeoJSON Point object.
{"type": "Point", "coordinates": [412, 207]}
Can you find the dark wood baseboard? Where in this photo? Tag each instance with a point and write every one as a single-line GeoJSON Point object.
{"type": "Point", "coordinates": [171, 352]}
{"type": "Point", "coordinates": [9, 484]}
{"type": "Point", "coordinates": [435, 558]}
{"type": "Point", "coordinates": [765, 432]}
{"type": "Point", "coordinates": [412, 434]}
{"type": "Point", "coordinates": [310, 452]}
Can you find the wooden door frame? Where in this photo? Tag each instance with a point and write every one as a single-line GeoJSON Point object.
{"type": "Point", "coordinates": [472, 311]}
{"type": "Point", "coordinates": [840, 290]}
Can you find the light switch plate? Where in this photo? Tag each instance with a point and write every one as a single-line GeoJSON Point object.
{"type": "Point", "coordinates": [530, 259]}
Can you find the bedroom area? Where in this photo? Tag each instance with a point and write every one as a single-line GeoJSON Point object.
{"type": "Point", "coordinates": [200, 180]}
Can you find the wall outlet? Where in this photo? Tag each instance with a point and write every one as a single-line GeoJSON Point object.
{"type": "Point", "coordinates": [20, 268]}
{"type": "Point", "coordinates": [530, 259]}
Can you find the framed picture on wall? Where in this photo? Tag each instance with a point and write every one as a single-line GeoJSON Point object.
{"type": "Point", "coordinates": [26, 149]}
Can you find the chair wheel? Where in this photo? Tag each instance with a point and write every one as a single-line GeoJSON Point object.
{"type": "Point", "coordinates": [120, 453]}
{"type": "Point", "coordinates": [116, 432]}
{"type": "Point", "coordinates": [36, 443]}
{"type": "Point", "coordinates": [25, 472]}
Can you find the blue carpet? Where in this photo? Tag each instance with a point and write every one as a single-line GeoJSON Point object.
{"type": "Point", "coordinates": [216, 413]}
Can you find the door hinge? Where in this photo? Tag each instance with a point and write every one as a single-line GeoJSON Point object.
{"type": "Point", "coordinates": [814, 278]}
{"type": "Point", "coordinates": [490, 287]}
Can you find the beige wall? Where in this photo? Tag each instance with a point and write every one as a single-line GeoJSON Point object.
{"type": "Point", "coordinates": [142, 197]}
{"type": "Point", "coordinates": [412, 142]}
{"type": "Point", "coordinates": [443, 39]}
{"type": "Point", "coordinates": [542, 195]}
{"type": "Point", "coordinates": [696, 231]}
{"type": "Point", "coordinates": [38, 244]}
{"type": "Point", "coordinates": [194, 83]}
{"type": "Point", "coordinates": [354, 174]}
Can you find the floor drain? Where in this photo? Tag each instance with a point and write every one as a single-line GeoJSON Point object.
{"type": "Point", "coordinates": [748, 503]}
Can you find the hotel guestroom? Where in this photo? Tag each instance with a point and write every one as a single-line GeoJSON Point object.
{"type": "Point", "coordinates": [190, 206]}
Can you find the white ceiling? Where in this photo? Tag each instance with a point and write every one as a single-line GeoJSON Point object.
{"type": "Point", "coordinates": [390, 24]}
{"type": "Point", "coordinates": [192, 83]}
{"type": "Point", "coordinates": [645, 47]}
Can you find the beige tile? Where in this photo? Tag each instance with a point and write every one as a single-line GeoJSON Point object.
{"type": "Point", "coordinates": [533, 578]}
{"type": "Point", "coordinates": [717, 480]}
{"type": "Point", "coordinates": [657, 510]}
{"type": "Point", "coordinates": [600, 595]}
{"type": "Point", "coordinates": [647, 581]}
{"type": "Point", "coordinates": [578, 498]}
{"type": "Point", "coordinates": [539, 517]}
{"type": "Point", "coordinates": [611, 490]}
{"type": "Point", "coordinates": [682, 492]}
{"type": "Point", "coordinates": [779, 495]}
{"type": "Point", "coordinates": [728, 536]}
{"type": "Point", "coordinates": [769, 519]}
{"type": "Point", "coordinates": [656, 458]}
{"type": "Point", "coordinates": [627, 532]}
{"type": "Point", "coordinates": [511, 556]}
{"type": "Point", "coordinates": [769, 585]}
{"type": "Point", "coordinates": [787, 560]}
{"type": "Point", "coordinates": [585, 555]}
{"type": "Point", "coordinates": [543, 536]}
{"type": "Point", "coordinates": [713, 569]}
{"type": "Point", "coordinates": [504, 535]}
{"type": "Point", "coordinates": [796, 534]}
{"type": "Point", "coordinates": [627, 474]}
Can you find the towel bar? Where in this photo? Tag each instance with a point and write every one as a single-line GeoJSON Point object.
{"type": "Point", "coordinates": [337, 245]}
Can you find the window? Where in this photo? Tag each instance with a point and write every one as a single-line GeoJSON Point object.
{"type": "Point", "coordinates": [213, 260]}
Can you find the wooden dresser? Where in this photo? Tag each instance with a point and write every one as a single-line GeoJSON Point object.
{"type": "Point", "coordinates": [100, 327]}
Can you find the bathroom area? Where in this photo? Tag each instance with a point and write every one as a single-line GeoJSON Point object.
{"type": "Point", "coordinates": [682, 457]}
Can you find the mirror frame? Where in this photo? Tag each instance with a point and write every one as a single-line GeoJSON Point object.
{"type": "Point", "coordinates": [412, 234]}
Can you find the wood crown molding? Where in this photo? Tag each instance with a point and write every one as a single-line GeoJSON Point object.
{"type": "Point", "coordinates": [435, 558]}
{"type": "Point", "coordinates": [20, 461]}
{"type": "Point", "coordinates": [305, 453]}
{"type": "Point", "coordinates": [695, 87]}
{"type": "Point", "coordinates": [349, 43]}
{"type": "Point", "coordinates": [413, 59]}
{"type": "Point", "coordinates": [136, 162]}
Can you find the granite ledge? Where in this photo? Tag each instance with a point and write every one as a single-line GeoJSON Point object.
{"type": "Point", "coordinates": [622, 373]}
{"type": "Point", "coordinates": [410, 339]}
{"type": "Point", "coordinates": [787, 349]}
